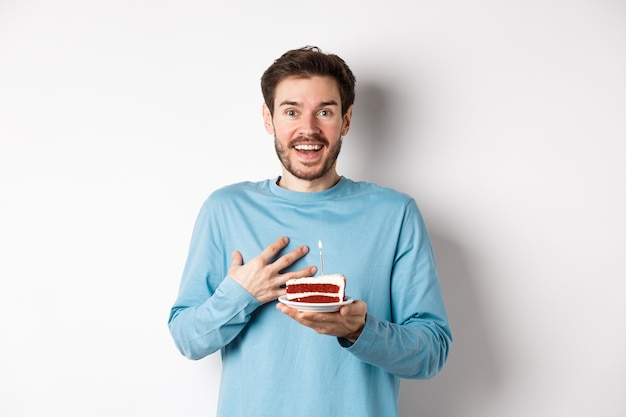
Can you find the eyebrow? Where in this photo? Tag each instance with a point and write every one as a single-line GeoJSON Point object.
{"type": "Point", "coordinates": [296, 104]}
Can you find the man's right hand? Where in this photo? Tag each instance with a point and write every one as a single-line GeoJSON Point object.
{"type": "Point", "coordinates": [262, 277]}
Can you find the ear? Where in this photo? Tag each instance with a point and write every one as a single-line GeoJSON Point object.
{"type": "Point", "coordinates": [347, 119]}
{"type": "Point", "coordinates": [267, 120]}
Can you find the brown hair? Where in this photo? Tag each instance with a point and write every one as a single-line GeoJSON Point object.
{"type": "Point", "coordinates": [305, 63]}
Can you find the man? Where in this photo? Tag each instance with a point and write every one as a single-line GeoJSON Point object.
{"type": "Point", "coordinates": [250, 238]}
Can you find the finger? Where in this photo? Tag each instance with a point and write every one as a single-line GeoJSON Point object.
{"type": "Point", "coordinates": [305, 318]}
{"type": "Point", "coordinates": [274, 248]}
{"type": "Point", "coordinates": [348, 309]}
{"type": "Point", "coordinates": [289, 258]}
{"type": "Point", "coordinates": [305, 272]}
{"type": "Point", "coordinates": [285, 309]}
{"type": "Point", "coordinates": [237, 259]}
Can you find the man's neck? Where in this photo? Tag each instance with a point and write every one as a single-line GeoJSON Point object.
{"type": "Point", "coordinates": [292, 183]}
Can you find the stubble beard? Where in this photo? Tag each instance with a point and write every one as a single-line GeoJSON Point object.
{"type": "Point", "coordinates": [283, 156]}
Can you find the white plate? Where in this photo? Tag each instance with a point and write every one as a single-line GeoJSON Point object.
{"type": "Point", "coordinates": [316, 307]}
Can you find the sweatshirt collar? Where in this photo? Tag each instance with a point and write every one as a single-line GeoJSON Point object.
{"type": "Point", "coordinates": [328, 194]}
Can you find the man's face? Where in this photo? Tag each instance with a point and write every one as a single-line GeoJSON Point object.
{"type": "Point", "coordinates": [307, 125]}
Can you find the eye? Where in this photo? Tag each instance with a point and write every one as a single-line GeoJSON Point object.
{"type": "Point", "coordinates": [324, 113]}
{"type": "Point", "coordinates": [291, 112]}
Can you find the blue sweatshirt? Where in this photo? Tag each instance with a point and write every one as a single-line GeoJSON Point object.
{"type": "Point", "coordinates": [273, 366]}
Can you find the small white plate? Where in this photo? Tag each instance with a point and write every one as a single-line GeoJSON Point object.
{"type": "Point", "coordinates": [315, 307]}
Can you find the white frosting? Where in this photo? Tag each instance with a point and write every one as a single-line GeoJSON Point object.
{"type": "Point", "coordinates": [337, 279]}
{"type": "Point", "coordinates": [311, 294]}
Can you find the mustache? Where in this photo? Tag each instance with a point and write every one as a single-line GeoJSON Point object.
{"type": "Point", "coordinates": [316, 138]}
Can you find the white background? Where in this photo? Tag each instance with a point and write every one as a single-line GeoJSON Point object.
{"type": "Point", "coordinates": [506, 120]}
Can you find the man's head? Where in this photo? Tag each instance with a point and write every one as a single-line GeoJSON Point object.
{"type": "Point", "coordinates": [305, 63]}
{"type": "Point", "coordinates": [308, 109]}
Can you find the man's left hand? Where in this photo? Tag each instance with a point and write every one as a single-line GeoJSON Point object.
{"type": "Point", "coordinates": [348, 322]}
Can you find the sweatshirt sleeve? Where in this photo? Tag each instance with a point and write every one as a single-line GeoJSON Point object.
{"type": "Point", "coordinates": [203, 329]}
{"type": "Point", "coordinates": [416, 350]}
{"type": "Point", "coordinates": [415, 341]}
{"type": "Point", "coordinates": [210, 310]}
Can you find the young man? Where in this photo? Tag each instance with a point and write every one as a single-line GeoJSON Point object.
{"type": "Point", "coordinates": [250, 238]}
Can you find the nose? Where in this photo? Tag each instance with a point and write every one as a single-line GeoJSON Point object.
{"type": "Point", "coordinates": [309, 125]}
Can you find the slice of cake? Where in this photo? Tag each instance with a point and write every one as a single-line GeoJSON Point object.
{"type": "Point", "coordinates": [322, 289]}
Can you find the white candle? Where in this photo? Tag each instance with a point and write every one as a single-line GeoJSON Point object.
{"type": "Point", "coordinates": [319, 243]}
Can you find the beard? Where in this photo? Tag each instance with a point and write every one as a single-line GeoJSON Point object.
{"type": "Point", "coordinates": [308, 175]}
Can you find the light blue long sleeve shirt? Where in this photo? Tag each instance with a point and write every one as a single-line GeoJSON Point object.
{"type": "Point", "coordinates": [272, 365]}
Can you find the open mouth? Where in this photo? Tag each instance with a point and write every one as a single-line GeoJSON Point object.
{"type": "Point", "coordinates": [308, 147]}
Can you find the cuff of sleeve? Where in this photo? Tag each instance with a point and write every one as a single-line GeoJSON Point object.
{"type": "Point", "coordinates": [237, 293]}
{"type": "Point", "coordinates": [345, 342]}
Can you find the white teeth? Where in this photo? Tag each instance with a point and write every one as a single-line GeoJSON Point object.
{"type": "Point", "coordinates": [308, 147]}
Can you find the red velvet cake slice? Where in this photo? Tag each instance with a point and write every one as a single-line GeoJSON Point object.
{"type": "Point", "coordinates": [322, 289]}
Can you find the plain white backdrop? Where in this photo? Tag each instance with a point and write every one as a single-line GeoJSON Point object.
{"type": "Point", "coordinates": [506, 120]}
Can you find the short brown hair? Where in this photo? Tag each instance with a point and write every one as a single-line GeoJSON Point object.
{"type": "Point", "coordinates": [307, 62]}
